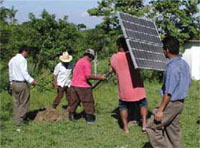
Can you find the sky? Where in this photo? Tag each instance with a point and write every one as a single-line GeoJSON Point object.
{"type": "Point", "coordinates": [76, 10]}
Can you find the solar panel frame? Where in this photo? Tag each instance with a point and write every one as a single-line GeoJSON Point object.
{"type": "Point", "coordinates": [137, 38]}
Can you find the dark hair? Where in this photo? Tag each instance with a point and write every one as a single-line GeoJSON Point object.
{"type": "Point", "coordinates": [121, 42]}
{"type": "Point", "coordinates": [24, 48]}
{"type": "Point", "coordinates": [89, 55]}
{"type": "Point", "coordinates": [172, 44]}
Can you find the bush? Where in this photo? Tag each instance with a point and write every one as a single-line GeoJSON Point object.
{"type": "Point", "coordinates": [4, 78]}
{"type": "Point", "coordinates": [151, 75]}
{"type": "Point", "coordinates": [45, 81]}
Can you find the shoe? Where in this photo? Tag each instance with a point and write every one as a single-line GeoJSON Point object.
{"type": "Point", "coordinates": [90, 119]}
{"type": "Point", "coordinates": [71, 116]}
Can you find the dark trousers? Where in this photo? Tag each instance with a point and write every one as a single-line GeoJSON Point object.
{"type": "Point", "coordinates": [21, 98]}
{"type": "Point", "coordinates": [81, 95]}
{"type": "Point", "coordinates": [60, 93]}
{"type": "Point", "coordinates": [167, 133]}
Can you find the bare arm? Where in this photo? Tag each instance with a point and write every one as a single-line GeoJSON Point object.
{"type": "Point", "coordinates": [159, 113]}
{"type": "Point", "coordinates": [92, 77]}
{"type": "Point", "coordinates": [55, 81]}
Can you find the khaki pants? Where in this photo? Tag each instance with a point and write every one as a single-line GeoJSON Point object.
{"type": "Point", "coordinates": [167, 133]}
{"type": "Point", "coordinates": [60, 93]}
{"type": "Point", "coordinates": [83, 95]}
{"type": "Point", "coordinates": [21, 96]}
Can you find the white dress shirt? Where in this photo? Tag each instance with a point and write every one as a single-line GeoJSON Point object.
{"type": "Point", "coordinates": [63, 74]}
{"type": "Point", "coordinates": [18, 70]}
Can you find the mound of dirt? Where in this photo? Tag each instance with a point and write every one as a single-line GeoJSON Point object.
{"type": "Point", "coordinates": [51, 115]}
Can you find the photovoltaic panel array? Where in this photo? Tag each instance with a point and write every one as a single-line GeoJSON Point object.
{"type": "Point", "coordinates": [143, 42]}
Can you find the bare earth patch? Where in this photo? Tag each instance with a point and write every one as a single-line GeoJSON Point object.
{"type": "Point", "coordinates": [51, 115]}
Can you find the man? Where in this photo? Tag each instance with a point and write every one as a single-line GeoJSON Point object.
{"type": "Point", "coordinates": [61, 77]}
{"type": "Point", "coordinates": [130, 84]}
{"type": "Point", "coordinates": [163, 128]}
{"type": "Point", "coordinates": [80, 88]}
{"type": "Point", "coordinates": [19, 77]}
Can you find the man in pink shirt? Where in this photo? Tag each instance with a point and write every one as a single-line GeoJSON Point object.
{"type": "Point", "coordinates": [80, 88]}
{"type": "Point", "coordinates": [130, 84]}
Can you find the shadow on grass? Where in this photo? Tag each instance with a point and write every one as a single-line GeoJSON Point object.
{"type": "Point", "coordinates": [133, 115]}
{"type": "Point", "coordinates": [77, 116]}
{"type": "Point", "coordinates": [64, 106]}
{"type": "Point", "coordinates": [30, 116]}
{"type": "Point", "coordinates": [147, 145]}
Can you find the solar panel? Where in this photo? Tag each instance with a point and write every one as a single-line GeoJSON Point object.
{"type": "Point", "coordinates": [143, 42]}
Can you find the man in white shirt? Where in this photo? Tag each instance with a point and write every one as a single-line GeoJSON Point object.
{"type": "Point", "coordinates": [19, 79]}
{"type": "Point", "coordinates": [61, 75]}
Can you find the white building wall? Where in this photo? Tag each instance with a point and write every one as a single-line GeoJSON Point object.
{"type": "Point", "coordinates": [192, 57]}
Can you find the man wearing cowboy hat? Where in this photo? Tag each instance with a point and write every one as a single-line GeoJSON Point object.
{"type": "Point", "coordinates": [61, 76]}
{"type": "Point", "coordinates": [80, 88]}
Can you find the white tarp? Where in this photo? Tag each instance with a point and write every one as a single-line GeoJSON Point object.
{"type": "Point", "coordinates": [192, 57]}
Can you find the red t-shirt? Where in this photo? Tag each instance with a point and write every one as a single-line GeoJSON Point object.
{"type": "Point", "coordinates": [81, 71]}
{"type": "Point", "coordinates": [130, 84]}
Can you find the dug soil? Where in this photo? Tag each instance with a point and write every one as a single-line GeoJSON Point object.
{"type": "Point", "coordinates": [51, 115]}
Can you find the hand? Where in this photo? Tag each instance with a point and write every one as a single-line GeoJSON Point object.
{"type": "Point", "coordinates": [34, 83]}
{"type": "Point", "coordinates": [158, 115]}
{"type": "Point", "coordinates": [111, 69]}
{"type": "Point", "coordinates": [102, 77]}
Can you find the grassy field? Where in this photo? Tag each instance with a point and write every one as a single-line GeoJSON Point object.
{"type": "Point", "coordinates": [105, 133]}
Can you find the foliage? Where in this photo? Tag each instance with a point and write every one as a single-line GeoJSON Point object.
{"type": "Point", "coordinates": [7, 15]}
{"type": "Point", "coordinates": [45, 81]}
{"type": "Point", "coordinates": [48, 37]}
{"type": "Point", "coordinates": [152, 76]}
{"type": "Point", "coordinates": [108, 9]}
{"type": "Point", "coordinates": [177, 18]}
{"type": "Point", "coordinates": [52, 38]}
{"type": "Point", "coordinates": [4, 80]}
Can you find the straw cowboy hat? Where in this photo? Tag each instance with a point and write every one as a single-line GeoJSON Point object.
{"type": "Point", "coordinates": [65, 57]}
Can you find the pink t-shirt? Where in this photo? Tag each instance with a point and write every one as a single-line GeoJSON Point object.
{"type": "Point", "coordinates": [130, 84]}
{"type": "Point", "coordinates": [81, 71]}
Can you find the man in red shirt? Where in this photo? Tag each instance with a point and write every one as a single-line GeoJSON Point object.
{"type": "Point", "coordinates": [80, 88]}
{"type": "Point", "coordinates": [130, 84]}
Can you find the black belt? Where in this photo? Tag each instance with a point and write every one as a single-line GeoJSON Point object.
{"type": "Point", "coordinates": [179, 101]}
{"type": "Point", "coordinates": [19, 81]}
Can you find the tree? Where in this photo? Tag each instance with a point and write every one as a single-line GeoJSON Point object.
{"type": "Point", "coordinates": [53, 37]}
{"type": "Point", "coordinates": [81, 26]}
{"type": "Point", "coordinates": [12, 14]}
{"type": "Point", "coordinates": [108, 8]}
{"type": "Point", "coordinates": [178, 18]}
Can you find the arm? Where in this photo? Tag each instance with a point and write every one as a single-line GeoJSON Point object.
{"type": "Point", "coordinates": [55, 74]}
{"type": "Point", "coordinates": [159, 112]}
{"type": "Point", "coordinates": [10, 72]}
{"type": "Point", "coordinates": [89, 76]}
{"type": "Point", "coordinates": [92, 77]}
{"type": "Point", "coordinates": [170, 84]}
{"type": "Point", "coordinates": [55, 81]}
{"type": "Point", "coordinates": [112, 64]}
{"type": "Point", "coordinates": [24, 70]}
{"type": "Point", "coordinates": [111, 70]}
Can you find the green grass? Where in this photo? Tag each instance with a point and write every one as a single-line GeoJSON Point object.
{"type": "Point", "coordinates": [105, 133]}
